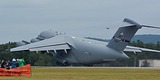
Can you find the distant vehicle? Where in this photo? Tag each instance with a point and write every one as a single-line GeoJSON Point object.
{"type": "Point", "coordinates": [75, 50]}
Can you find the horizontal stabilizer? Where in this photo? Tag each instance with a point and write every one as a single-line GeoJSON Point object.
{"type": "Point", "coordinates": [150, 26]}
{"type": "Point", "coordinates": [138, 49]}
{"type": "Point", "coordinates": [130, 21]}
{"type": "Point", "coordinates": [135, 23]}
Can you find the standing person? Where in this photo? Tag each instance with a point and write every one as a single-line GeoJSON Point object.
{"type": "Point", "coordinates": [8, 64]}
{"type": "Point", "coordinates": [21, 62]}
{"type": "Point", "coordinates": [3, 64]}
{"type": "Point", "coordinates": [13, 63]}
{"type": "Point", "coordinates": [17, 64]}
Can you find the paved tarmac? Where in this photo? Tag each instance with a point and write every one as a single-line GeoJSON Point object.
{"type": "Point", "coordinates": [157, 68]}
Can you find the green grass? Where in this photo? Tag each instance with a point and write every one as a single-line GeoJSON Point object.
{"type": "Point", "coordinates": [89, 74]}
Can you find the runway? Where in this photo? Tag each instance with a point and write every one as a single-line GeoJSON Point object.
{"type": "Point", "coordinates": [153, 68]}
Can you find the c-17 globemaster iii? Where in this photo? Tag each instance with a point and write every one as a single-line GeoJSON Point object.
{"type": "Point", "coordinates": [69, 50]}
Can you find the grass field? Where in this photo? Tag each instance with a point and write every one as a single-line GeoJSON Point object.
{"type": "Point", "coordinates": [89, 74]}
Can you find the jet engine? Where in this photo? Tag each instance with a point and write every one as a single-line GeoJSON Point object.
{"type": "Point", "coordinates": [43, 35]}
{"type": "Point", "coordinates": [46, 35]}
{"type": "Point", "coordinates": [34, 40]}
{"type": "Point", "coordinates": [21, 43]}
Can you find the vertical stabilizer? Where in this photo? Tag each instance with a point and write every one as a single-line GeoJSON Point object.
{"type": "Point", "coordinates": [123, 35]}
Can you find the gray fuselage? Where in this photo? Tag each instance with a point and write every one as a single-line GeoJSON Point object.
{"type": "Point", "coordinates": [87, 51]}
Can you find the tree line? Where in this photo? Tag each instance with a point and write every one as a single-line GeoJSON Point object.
{"type": "Point", "coordinates": [33, 58]}
{"type": "Point", "coordinates": [46, 59]}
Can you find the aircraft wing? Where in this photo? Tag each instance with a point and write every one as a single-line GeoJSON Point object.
{"type": "Point", "coordinates": [138, 49]}
{"type": "Point", "coordinates": [55, 43]}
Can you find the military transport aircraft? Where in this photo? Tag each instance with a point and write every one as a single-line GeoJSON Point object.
{"type": "Point", "coordinates": [75, 50]}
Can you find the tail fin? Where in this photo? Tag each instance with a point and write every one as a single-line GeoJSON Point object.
{"type": "Point", "coordinates": [124, 34]}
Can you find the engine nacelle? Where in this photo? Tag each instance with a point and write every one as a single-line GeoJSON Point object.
{"type": "Point", "coordinates": [34, 40]}
{"type": "Point", "coordinates": [47, 34]}
{"type": "Point", "coordinates": [43, 35]}
{"type": "Point", "coordinates": [21, 43]}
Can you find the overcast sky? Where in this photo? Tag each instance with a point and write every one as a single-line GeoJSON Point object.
{"type": "Point", "coordinates": [25, 19]}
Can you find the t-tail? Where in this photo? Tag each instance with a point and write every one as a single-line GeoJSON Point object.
{"type": "Point", "coordinates": [124, 35]}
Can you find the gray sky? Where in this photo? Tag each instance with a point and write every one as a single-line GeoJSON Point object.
{"type": "Point", "coordinates": [25, 19]}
